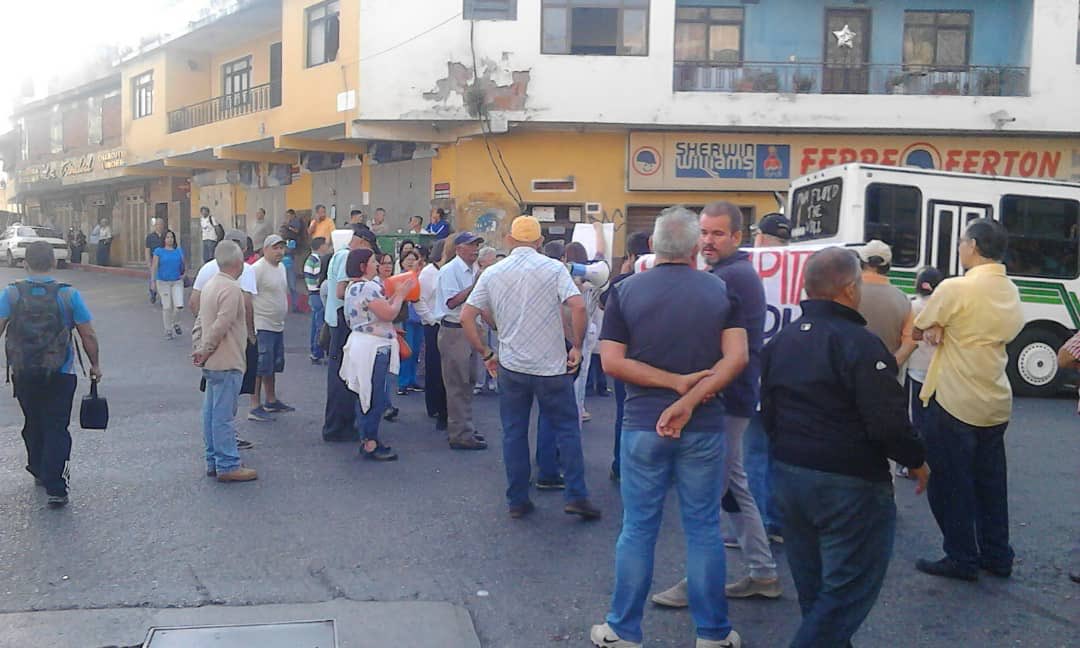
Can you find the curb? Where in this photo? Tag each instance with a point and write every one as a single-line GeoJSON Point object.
{"type": "Point", "coordinates": [122, 272]}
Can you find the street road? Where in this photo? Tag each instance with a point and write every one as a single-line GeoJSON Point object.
{"type": "Point", "coordinates": [146, 528]}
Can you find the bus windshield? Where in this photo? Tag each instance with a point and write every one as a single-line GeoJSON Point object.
{"type": "Point", "coordinates": [815, 210]}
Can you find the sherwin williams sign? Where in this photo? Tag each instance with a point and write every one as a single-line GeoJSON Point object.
{"type": "Point", "coordinates": [714, 162]}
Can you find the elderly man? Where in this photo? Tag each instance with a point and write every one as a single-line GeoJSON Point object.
{"type": "Point", "coordinates": [261, 229]}
{"type": "Point", "coordinates": [523, 296]}
{"type": "Point", "coordinates": [968, 400]}
{"type": "Point", "coordinates": [218, 347]}
{"type": "Point", "coordinates": [886, 309]}
{"type": "Point", "coordinates": [271, 304]}
{"type": "Point", "coordinates": [773, 230]}
{"type": "Point", "coordinates": [154, 240]}
{"type": "Point", "coordinates": [674, 433]}
{"type": "Point", "coordinates": [835, 414]}
{"type": "Point", "coordinates": [721, 236]}
{"type": "Point", "coordinates": [434, 390]}
{"type": "Point", "coordinates": [455, 284]}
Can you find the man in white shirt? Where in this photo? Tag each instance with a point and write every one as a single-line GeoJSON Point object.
{"type": "Point", "coordinates": [379, 225]}
{"type": "Point", "coordinates": [434, 390]}
{"type": "Point", "coordinates": [455, 283]}
{"type": "Point", "coordinates": [261, 229]}
{"type": "Point", "coordinates": [271, 305]}
{"type": "Point", "coordinates": [209, 235]}
{"type": "Point", "coordinates": [523, 297]}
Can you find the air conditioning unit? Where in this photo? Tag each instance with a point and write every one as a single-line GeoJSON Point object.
{"type": "Point", "coordinates": [593, 211]}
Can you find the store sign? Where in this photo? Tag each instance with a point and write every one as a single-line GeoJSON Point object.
{"type": "Point", "coordinates": [71, 167]}
{"type": "Point", "coordinates": [714, 162]}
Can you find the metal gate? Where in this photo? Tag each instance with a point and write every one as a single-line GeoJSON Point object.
{"type": "Point", "coordinates": [403, 189]}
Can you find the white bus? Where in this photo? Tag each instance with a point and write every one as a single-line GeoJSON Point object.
{"type": "Point", "coordinates": [922, 213]}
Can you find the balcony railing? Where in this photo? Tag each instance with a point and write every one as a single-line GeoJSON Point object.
{"type": "Point", "coordinates": [245, 102]}
{"type": "Point", "coordinates": [823, 78]}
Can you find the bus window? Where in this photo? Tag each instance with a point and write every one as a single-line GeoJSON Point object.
{"type": "Point", "coordinates": [1043, 237]}
{"type": "Point", "coordinates": [893, 215]}
{"type": "Point", "coordinates": [816, 210]}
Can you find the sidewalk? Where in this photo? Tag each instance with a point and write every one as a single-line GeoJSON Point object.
{"type": "Point", "coordinates": [137, 273]}
{"type": "Point", "coordinates": [359, 624]}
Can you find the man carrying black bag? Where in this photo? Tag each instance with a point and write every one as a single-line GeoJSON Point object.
{"type": "Point", "coordinates": [38, 315]}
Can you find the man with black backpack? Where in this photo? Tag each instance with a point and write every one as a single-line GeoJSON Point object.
{"type": "Point", "coordinates": [38, 315]}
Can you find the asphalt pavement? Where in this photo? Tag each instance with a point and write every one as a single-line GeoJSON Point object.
{"type": "Point", "coordinates": [146, 529]}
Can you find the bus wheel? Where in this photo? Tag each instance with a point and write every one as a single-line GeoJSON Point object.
{"type": "Point", "coordinates": [1033, 368]}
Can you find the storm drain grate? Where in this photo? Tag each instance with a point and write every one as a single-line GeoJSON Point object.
{"type": "Point", "coordinates": [294, 634]}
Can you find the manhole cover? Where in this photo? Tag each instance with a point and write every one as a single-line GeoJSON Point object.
{"type": "Point", "coordinates": [297, 634]}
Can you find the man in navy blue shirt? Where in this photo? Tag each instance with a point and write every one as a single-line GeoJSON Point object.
{"type": "Point", "coordinates": [675, 337]}
{"type": "Point", "coordinates": [438, 225]}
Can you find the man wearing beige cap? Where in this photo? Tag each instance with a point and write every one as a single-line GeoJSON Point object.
{"type": "Point", "coordinates": [886, 309]}
{"type": "Point", "coordinates": [271, 304]}
{"type": "Point", "coordinates": [522, 296]}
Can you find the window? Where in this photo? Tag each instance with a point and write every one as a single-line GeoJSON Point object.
{"type": "Point", "coordinates": [894, 215]}
{"type": "Point", "coordinates": [323, 29]}
{"type": "Point", "coordinates": [596, 27]}
{"type": "Point", "coordinates": [37, 137]}
{"type": "Point", "coordinates": [816, 210]}
{"type": "Point", "coordinates": [709, 34]}
{"type": "Point", "coordinates": [490, 10]}
{"type": "Point", "coordinates": [111, 120]}
{"type": "Point", "coordinates": [1043, 240]}
{"type": "Point", "coordinates": [937, 38]}
{"type": "Point", "coordinates": [236, 81]}
{"type": "Point", "coordinates": [142, 95]}
{"type": "Point", "coordinates": [76, 128]}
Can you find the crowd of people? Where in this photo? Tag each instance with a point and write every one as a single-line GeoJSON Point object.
{"type": "Point", "coordinates": [791, 438]}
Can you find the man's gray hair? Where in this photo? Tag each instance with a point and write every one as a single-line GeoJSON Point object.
{"type": "Point", "coordinates": [830, 271]}
{"type": "Point", "coordinates": [676, 233]}
{"type": "Point", "coordinates": [228, 253]}
{"type": "Point", "coordinates": [486, 253]}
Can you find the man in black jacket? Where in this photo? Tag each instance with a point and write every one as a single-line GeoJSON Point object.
{"type": "Point", "coordinates": [835, 414]}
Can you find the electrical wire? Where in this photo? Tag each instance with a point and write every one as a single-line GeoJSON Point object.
{"type": "Point", "coordinates": [408, 40]}
{"type": "Point", "coordinates": [485, 129]}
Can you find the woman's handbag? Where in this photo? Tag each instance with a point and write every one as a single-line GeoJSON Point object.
{"type": "Point", "coordinates": [404, 350]}
{"type": "Point", "coordinates": [94, 412]}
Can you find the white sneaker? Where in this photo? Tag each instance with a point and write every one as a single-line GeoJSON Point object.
{"type": "Point", "coordinates": [733, 640]}
{"type": "Point", "coordinates": [604, 637]}
{"type": "Point", "coordinates": [674, 597]}
{"type": "Point", "coordinates": [750, 587]}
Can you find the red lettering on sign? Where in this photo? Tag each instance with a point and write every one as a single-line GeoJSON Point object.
{"type": "Point", "coordinates": [827, 156]}
{"type": "Point", "coordinates": [952, 160]}
{"type": "Point", "coordinates": [807, 159]}
{"type": "Point", "coordinates": [1028, 162]}
{"type": "Point", "coordinates": [847, 155]}
{"type": "Point", "coordinates": [1010, 159]}
{"type": "Point", "coordinates": [869, 156]}
{"type": "Point", "coordinates": [795, 287]}
{"type": "Point", "coordinates": [990, 162]}
{"type": "Point", "coordinates": [971, 161]}
{"type": "Point", "coordinates": [1049, 166]}
{"type": "Point", "coordinates": [889, 157]}
{"type": "Point", "coordinates": [768, 263]}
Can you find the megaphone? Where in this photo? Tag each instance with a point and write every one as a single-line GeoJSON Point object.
{"type": "Point", "coordinates": [596, 272]}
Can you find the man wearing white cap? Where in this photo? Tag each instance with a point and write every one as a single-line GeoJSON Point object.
{"type": "Point", "coordinates": [886, 309]}
{"type": "Point", "coordinates": [271, 304]}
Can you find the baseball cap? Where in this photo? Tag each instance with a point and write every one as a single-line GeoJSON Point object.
{"type": "Point", "coordinates": [364, 232]}
{"type": "Point", "coordinates": [464, 238]}
{"type": "Point", "coordinates": [637, 244]}
{"type": "Point", "coordinates": [525, 229]}
{"type": "Point", "coordinates": [272, 240]}
{"type": "Point", "coordinates": [775, 225]}
{"type": "Point", "coordinates": [875, 253]}
{"type": "Point", "coordinates": [238, 236]}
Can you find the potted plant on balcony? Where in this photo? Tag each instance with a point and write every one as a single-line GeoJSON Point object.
{"type": "Point", "coordinates": [990, 83]}
{"type": "Point", "coordinates": [767, 82]}
{"type": "Point", "coordinates": [949, 87]}
{"type": "Point", "coordinates": [895, 83]}
{"type": "Point", "coordinates": [802, 82]}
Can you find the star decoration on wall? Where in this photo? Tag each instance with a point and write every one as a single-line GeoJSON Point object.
{"type": "Point", "coordinates": [845, 37]}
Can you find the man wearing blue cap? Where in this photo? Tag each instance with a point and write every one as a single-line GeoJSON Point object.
{"type": "Point", "coordinates": [455, 284]}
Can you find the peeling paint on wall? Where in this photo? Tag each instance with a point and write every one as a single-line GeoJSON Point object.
{"type": "Point", "coordinates": [497, 88]}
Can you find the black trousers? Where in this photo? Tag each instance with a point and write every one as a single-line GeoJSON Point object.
{"type": "Point", "coordinates": [434, 389]}
{"type": "Point", "coordinates": [340, 422]}
{"type": "Point", "coordinates": [46, 407]}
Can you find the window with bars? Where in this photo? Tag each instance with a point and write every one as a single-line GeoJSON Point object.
{"type": "Point", "coordinates": [142, 95]}
{"type": "Point", "coordinates": [712, 34]}
{"type": "Point", "coordinates": [323, 32]}
{"type": "Point", "coordinates": [595, 27]}
{"type": "Point", "coordinates": [489, 10]}
{"type": "Point", "coordinates": [940, 39]}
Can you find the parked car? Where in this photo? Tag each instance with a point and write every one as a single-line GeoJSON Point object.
{"type": "Point", "coordinates": [15, 239]}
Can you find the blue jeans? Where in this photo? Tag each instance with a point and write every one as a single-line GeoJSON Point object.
{"type": "Point", "coordinates": [208, 248]}
{"type": "Point", "coordinates": [367, 425]}
{"type": "Point", "coordinates": [317, 314]}
{"type": "Point", "coordinates": [757, 462]}
{"type": "Point", "coordinates": [290, 282]}
{"type": "Point", "coordinates": [838, 535]}
{"type": "Point", "coordinates": [219, 413]}
{"type": "Point", "coordinates": [555, 397]}
{"type": "Point", "coordinates": [968, 489]}
{"type": "Point", "coordinates": [651, 464]}
{"type": "Point", "coordinates": [414, 337]}
{"type": "Point", "coordinates": [620, 406]}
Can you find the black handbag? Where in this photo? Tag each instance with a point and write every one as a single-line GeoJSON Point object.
{"type": "Point", "coordinates": [94, 412]}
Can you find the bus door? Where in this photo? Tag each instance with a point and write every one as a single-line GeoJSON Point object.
{"type": "Point", "coordinates": [945, 225]}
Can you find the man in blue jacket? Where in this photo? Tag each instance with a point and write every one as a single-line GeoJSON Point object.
{"type": "Point", "coordinates": [835, 414]}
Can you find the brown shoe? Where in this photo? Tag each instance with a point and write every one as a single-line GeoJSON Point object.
{"type": "Point", "coordinates": [238, 475]}
{"type": "Point", "coordinates": [584, 508]}
{"type": "Point", "coordinates": [521, 510]}
{"type": "Point", "coordinates": [471, 444]}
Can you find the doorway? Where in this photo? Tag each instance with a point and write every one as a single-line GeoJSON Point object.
{"type": "Point", "coordinates": [847, 51]}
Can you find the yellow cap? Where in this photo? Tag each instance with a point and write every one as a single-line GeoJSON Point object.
{"type": "Point", "coordinates": [525, 229]}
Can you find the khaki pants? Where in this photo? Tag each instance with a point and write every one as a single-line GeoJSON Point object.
{"type": "Point", "coordinates": [456, 354]}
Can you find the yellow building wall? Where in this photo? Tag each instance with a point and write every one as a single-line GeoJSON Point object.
{"type": "Point", "coordinates": [143, 137]}
{"type": "Point", "coordinates": [187, 78]}
{"type": "Point", "coordinates": [259, 51]}
{"type": "Point", "coordinates": [298, 195]}
{"type": "Point", "coordinates": [596, 161]}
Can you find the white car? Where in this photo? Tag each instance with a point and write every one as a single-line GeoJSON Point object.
{"type": "Point", "coordinates": [15, 240]}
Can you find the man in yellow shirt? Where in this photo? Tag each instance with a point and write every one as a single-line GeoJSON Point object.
{"type": "Point", "coordinates": [969, 320]}
{"type": "Point", "coordinates": [321, 226]}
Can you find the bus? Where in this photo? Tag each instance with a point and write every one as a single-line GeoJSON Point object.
{"type": "Point", "coordinates": [922, 213]}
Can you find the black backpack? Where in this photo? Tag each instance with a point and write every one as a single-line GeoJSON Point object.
{"type": "Point", "coordinates": [37, 336]}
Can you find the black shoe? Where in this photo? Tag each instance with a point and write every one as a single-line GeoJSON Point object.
{"type": "Point", "coordinates": [1074, 576]}
{"type": "Point", "coordinates": [613, 476]}
{"type": "Point", "coordinates": [441, 425]}
{"type": "Point", "coordinates": [403, 392]}
{"type": "Point", "coordinates": [947, 568]}
{"type": "Point", "coordinates": [243, 444]}
{"type": "Point", "coordinates": [390, 414]}
{"type": "Point", "coordinates": [1001, 571]}
{"type": "Point", "coordinates": [603, 394]}
{"type": "Point", "coordinates": [57, 501]}
{"type": "Point", "coordinates": [380, 453]}
{"type": "Point", "coordinates": [415, 388]}
{"type": "Point", "coordinates": [471, 444]}
{"type": "Point", "coordinates": [521, 510]}
{"type": "Point", "coordinates": [584, 508]}
{"type": "Point", "coordinates": [340, 439]}
{"type": "Point", "coordinates": [551, 484]}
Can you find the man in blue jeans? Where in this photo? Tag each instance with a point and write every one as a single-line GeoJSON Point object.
{"type": "Point", "coordinates": [522, 297]}
{"type": "Point", "coordinates": [321, 249]}
{"type": "Point", "coordinates": [673, 432]}
{"type": "Point", "coordinates": [835, 414]}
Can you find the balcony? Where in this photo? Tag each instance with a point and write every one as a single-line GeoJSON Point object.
{"type": "Point", "coordinates": [820, 78]}
{"type": "Point", "coordinates": [256, 99]}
